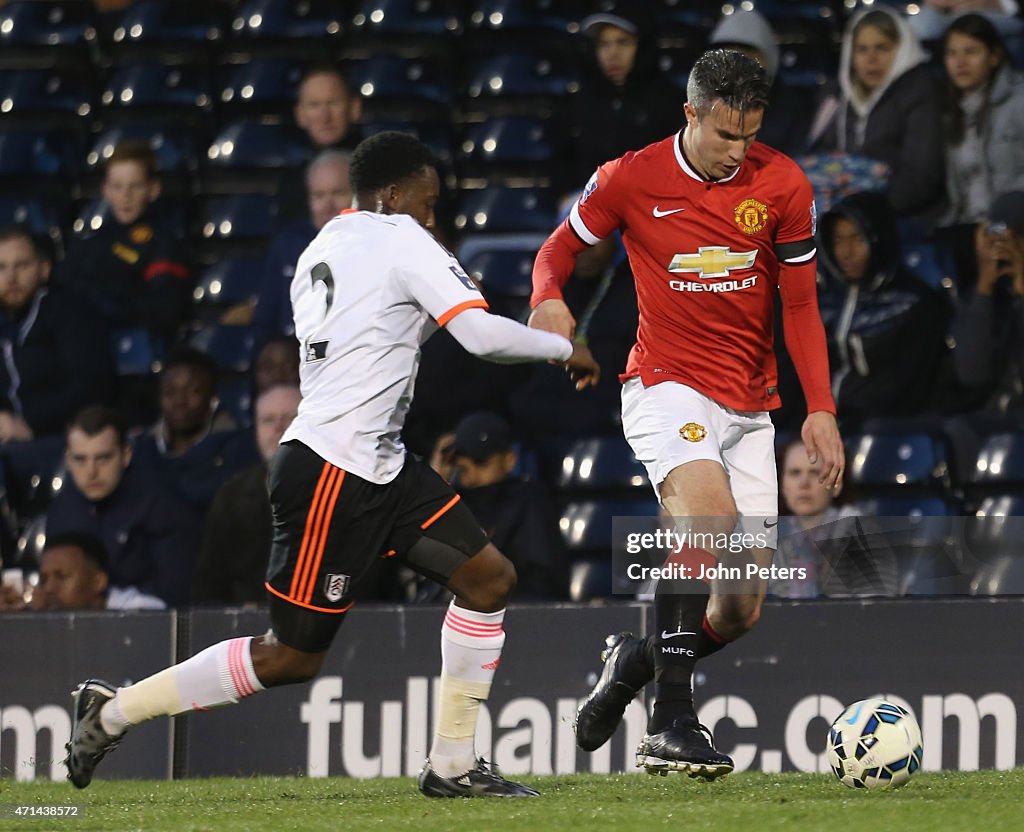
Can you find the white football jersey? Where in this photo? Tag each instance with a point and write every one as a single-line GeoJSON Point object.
{"type": "Point", "coordinates": [367, 292]}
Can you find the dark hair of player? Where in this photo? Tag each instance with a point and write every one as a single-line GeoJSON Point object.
{"type": "Point", "coordinates": [735, 79]}
{"type": "Point", "coordinates": [386, 159]}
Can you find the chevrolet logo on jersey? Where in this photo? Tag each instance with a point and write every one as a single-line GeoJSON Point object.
{"type": "Point", "coordinates": [712, 261]}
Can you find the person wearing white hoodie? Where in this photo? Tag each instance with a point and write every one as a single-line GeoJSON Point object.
{"type": "Point", "coordinates": [888, 108]}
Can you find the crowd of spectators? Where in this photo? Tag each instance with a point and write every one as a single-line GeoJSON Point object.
{"type": "Point", "coordinates": [910, 130]}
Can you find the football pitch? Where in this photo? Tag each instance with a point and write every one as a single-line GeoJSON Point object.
{"type": "Point", "coordinates": [937, 802]}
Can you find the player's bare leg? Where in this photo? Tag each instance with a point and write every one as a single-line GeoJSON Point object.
{"type": "Point", "coordinates": [471, 640]}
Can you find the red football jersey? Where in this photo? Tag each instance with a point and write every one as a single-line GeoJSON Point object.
{"type": "Point", "coordinates": [704, 255]}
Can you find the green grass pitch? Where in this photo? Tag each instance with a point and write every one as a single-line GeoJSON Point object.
{"type": "Point", "coordinates": [936, 802]}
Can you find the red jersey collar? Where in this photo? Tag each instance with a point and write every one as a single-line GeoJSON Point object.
{"type": "Point", "coordinates": [677, 146]}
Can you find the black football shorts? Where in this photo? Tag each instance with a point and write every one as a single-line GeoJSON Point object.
{"type": "Point", "coordinates": [330, 527]}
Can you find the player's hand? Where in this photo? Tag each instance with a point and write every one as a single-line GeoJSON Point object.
{"type": "Point", "coordinates": [820, 435]}
{"type": "Point", "coordinates": [581, 367]}
{"type": "Point", "coordinates": [553, 315]}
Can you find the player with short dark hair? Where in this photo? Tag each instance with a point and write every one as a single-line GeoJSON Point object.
{"type": "Point", "coordinates": [343, 490]}
{"type": "Point", "coordinates": [713, 223]}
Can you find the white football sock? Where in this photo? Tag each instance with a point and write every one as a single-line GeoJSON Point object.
{"type": "Point", "coordinates": [219, 675]}
{"type": "Point", "coordinates": [471, 645]}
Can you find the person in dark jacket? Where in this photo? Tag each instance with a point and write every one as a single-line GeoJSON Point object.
{"type": "Point", "coordinates": [237, 535]}
{"type": "Point", "coordinates": [132, 269]}
{"type": "Point", "coordinates": [624, 104]}
{"type": "Point", "coordinates": [885, 327]}
{"type": "Point", "coordinates": [887, 108]}
{"type": "Point", "coordinates": [150, 535]}
{"type": "Point", "coordinates": [194, 446]}
{"type": "Point", "coordinates": [56, 354]}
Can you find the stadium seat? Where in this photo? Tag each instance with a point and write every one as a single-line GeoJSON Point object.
{"type": "Point", "coordinates": [237, 216]}
{"type": "Point", "coordinates": [47, 25]}
{"type": "Point", "coordinates": [56, 92]}
{"type": "Point", "coordinates": [261, 85]}
{"type": "Point", "coordinates": [254, 144]}
{"type": "Point", "coordinates": [522, 75]}
{"type": "Point", "coordinates": [136, 352]}
{"type": "Point", "coordinates": [587, 525]}
{"type": "Point", "coordinates": [35, 154]}
{"type": "Point", "coordinates": [590, 579]}
{"type": "Point", "coordinates": [156, 85]}
{"type": "Point", "coordinates": [235, 394]}
{"type": "Point", "coordinates": [169, 213]}
{"type": "Point", "coordinates": [996, 528]}
{"type": "Point", "coordinates": [30, 468]}
{"type": "Point", "coordinates": [44, 217]}
{"type": "Point", "coordinates": [499, 209]}
{"type": "Point", "coordinates": [529, 17]}
{"type": "Point", "coordinates": [299, 20]}
{"type": "Point", "coordinates": [30, 544]}
{"type": "Point", "coordinates": [604, 464]}
{"type": "Point", "coordinates": [512, 144]}
{"type": "Point", "coordinates": [924, 261]}
{"type": "Point", "coordinates": [175, 148]}
{"type": "Point", "coordinates": [505, 276]}
{"type": "Point", "coordinates": [419, 18]}
{"type": "Point", "coordinates": [1000, 464]}
{"type": "Point", "coordinates": [889, 461]}
{"type": "Point", "coordinates": [415, 88]}
{"type": "Point", "coordinates": [163, 23]}
{"type": "Point", "coordinates": [230, 346]}
{"type": "Point", "coordinates": [1002, 576]}
{"type": "Point", "coordinates": [228, 281]}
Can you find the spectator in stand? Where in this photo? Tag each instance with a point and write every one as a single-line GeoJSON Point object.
{"type": "Point", "coordinates": [989, 331]}
{"type": "Point", "coordinates": [984, 117]}
{"type": "Point", "coordinates": [787, 117]}
{"type": "Point", "coordinates": [149, 534]}
{"type": "Point", "coordinates": [194, 446]}
{"type": "Point", "coordinates": [624, 104]}
{"type": "Point", "coordinates": [74, 574]}
{"type": "Point", "coordinates": [885, 327]}
{"type": "Point", "coordinates": [329, 193]}
{"type": "Point", "coordinates": [277, 362]}
{"type": "Point", "coordinates": [887, 108]}
{"type": "Point", "coordinates": [327, 112]}
{"type": "Point", "coordinates": [57, 356]}
{"type": "Point", "coordinates": [236, 541]}
{"type": "Point", "coordinates": [131, 268]}
{"type": "Point", "coordinates": [515, 512]}
{"type": "Point", "coordinates": [831, 544]}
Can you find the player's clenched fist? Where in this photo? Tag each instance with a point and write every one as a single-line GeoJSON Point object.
{"type": "Point", "coordinates": [581, 367]}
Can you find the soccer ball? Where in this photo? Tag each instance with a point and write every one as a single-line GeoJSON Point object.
{"type": "Point", "coordinates": [874, 744]}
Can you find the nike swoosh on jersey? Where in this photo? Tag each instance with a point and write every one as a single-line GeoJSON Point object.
{"type": "Point", "coordinates": [659, 213]}
{"type": "Point", "coordinates": [666, 634]}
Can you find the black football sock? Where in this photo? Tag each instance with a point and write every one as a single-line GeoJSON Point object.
{"type": "Point", "coordinates": [679, 612]}
{"type": "Point", "coordinates": [709, 641]}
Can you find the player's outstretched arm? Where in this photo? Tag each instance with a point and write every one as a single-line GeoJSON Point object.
{"type": "Point", "coordinates": [552, 268]}
{"type": "Point", "coordinates": [505, 341]}
{"type": "Point", "coordinates": [820, 435]}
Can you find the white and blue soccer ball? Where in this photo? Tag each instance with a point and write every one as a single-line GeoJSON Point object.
{"type": "Point", "coordinates": [874, 744]}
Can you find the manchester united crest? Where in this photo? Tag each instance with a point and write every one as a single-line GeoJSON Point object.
{"type": "Point", "coordinates": [692, 432]}
{"type": "Point", "coordinates": [141, 234]}
{"type": "Point", "coordinates": [751, 216]}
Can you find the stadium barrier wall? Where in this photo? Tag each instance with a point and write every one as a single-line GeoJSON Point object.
{"type": "Point", "coordinates": [769, 698]}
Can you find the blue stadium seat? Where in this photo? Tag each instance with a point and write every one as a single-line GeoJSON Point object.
{"type": "Point", "coordinates": [522, 75]}
{"type": "Point", "coordinates": [157, 85]}
{"type": "Point", "coordinates": [235, 394]}
{"type": "Point", "coordinates": [229, 281]}
{"type": "Point", "coordinates": [530, 16]}
{"type": "Point", "coordinates": [230, 346]}
{"type": "Point", "coordinates": [136, 352]}
{"type": "Point", "coordinates": [923, 259]}
{"type": "Point", "coordinates": [41, 216]}
{"type": "Point", "coordinates": [175, 148]}
{"type": "Point", "coordinates": [508, 139]}
{"type": "Point", "coordinates": [237, 216]}
{"type": "Point", "coordinates": [27, 153]}
{"type": "Point", "coordinates": [266, 85]}
{"type": "Point", "coordinates": [393, 80]}
{"type": "Point", "coordinates": [590, 579]}
{"type": "Point", "coordinates": [67, 92]}
{"type": "Point", "coordinates": [1000, 464]}
{"type": "Point", "coordinates": [47, 23]}
{"type": "Point", "coordinates": [505, 276]}
{"type": "Point", "coordinates": [603, 464]}
{"type": "Point", "coordinates": [29, 468]}
{"type": "Point", "coordinates": [253, 144]}
{"type": "Point", "coordinates": [996, 528]}
{"type": "Point", "coordinates": [498, 209]}
{"type": "Point", "coordinates": [422, 18]}
{"type": "Point", "coordinates": [1002, 576]}
{"type": "Point", "coordinates": [912, 522]}
{"type": "Point", "coordinates": [915, 460]}
{"type": "Point", "coordinates": [587, 526]}
{"type": "Point", "coordinates": [288, 20]}
{"type": "Point", "coordinates": [171, 22]}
